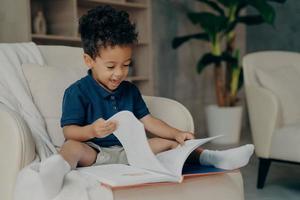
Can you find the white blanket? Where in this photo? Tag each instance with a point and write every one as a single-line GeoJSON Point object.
{"type": "Point", "coordinates": [15, 93]}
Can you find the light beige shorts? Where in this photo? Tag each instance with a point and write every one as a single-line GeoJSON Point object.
{"type": "Point", "coordinates": [109, 155]}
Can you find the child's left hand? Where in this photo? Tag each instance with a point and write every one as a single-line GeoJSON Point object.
{"type": "Point", "coordinates": [180, 137]}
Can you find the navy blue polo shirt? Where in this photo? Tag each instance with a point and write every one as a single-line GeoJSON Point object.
{"type": "Point", "coordinates": [86, 100]}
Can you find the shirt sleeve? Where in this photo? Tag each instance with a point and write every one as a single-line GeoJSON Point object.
{"type": "Point", "coordinates": [139, 106]}
{"type": "Point", "coordinates": [73, 107]}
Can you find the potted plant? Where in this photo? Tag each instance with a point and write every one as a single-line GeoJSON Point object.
{"type": "Point", "coordinates": [219, 27]}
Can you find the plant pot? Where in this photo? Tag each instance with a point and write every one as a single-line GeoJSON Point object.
{"type": "Point", "coordinates": [226, 121]}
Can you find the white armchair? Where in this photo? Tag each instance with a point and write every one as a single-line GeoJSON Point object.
{"type": "Point", "coordinates": [272, 92]}
{"type": "Point", "coordinates": [17, 147]}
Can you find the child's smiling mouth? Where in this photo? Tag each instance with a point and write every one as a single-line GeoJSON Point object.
{"type": "Point", "coordinates": [115, 83]}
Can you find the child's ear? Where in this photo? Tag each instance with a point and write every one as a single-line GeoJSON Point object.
{"type": "Point", "coordinates": [89, 61]}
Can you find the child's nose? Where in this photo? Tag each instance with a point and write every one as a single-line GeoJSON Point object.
{"type": "Point", "coordinates": [119, 72]}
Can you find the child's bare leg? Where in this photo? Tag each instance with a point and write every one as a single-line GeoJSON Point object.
{"type": "Point", "coordinates": [78, 153]}
{"type": "Point", "coordinates": [159, 144]}
{"type": "Point", "coordinates": [54, 168]}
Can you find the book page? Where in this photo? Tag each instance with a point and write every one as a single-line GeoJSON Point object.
{"type": "Point", "coordinates": [124, 175]}
{"type": "Point", "coordinates": [174, 159]}
{"type": "Point", "coordinates": [131, 133]}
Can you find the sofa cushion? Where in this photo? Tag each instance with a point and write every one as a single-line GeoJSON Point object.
{"type": "Point", "coordinates": [284, 82]}
{"type": "Point", "coordinates": [47, 85]}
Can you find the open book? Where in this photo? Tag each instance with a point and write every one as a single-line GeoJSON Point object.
{"type": "Point", "coordinates": [144, 167]}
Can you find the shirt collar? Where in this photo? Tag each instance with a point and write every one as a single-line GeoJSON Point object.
{"type": "Point", "coordinates": [104, 92]}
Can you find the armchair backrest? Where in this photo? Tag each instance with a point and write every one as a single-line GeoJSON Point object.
{"type": "Point", "coordinates": [266, 59]}
{"type": "Point", "coordinates": [62, 56]}
{"type": "Point", "coordinates": [171, 112]}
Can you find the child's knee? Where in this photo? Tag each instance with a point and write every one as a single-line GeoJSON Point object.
{"type": "Point", "coordinates": [173, 144]}
{"type": "Point", "coordinates": [73, 147]}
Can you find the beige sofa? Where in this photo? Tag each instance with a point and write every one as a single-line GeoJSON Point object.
{"type": "Point", "coordinates": [17, 147]}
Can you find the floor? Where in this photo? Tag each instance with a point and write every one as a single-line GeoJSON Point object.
{"type": "Point", "coordinates": [283, 180]}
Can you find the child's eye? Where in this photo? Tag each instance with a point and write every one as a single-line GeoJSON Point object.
{"type": "Point", "coordinates": [127, 65]}
{"type": "Point", "coordinates": [110, 67]}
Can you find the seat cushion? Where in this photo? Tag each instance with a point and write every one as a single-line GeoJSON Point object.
{"type": "Point", "coordinates": [285, 143]}
{"type": "Point", "coordinates": [47, 85]}
{"type": "Point", "coordinates": [284, 82]}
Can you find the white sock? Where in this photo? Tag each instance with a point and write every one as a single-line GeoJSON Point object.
{"type": "Point", "coordinates": [227, 159]}
{"type": "Point", "coordinates": [52, 172]}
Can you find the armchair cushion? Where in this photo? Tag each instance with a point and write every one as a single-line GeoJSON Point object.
{"type": "Point", "coordinates": [284, 82]}
{"type": "Point", "coordinates": [50, 81]}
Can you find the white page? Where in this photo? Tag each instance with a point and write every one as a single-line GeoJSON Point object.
{"type": "Point", "coordinates": [124, 175]}
{"type": "Point", "coordinates": [174, 159]}
{"type": "Point", "coordinates": [131, 133]}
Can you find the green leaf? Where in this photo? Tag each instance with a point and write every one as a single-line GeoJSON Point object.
{"type": "Point", "coordinates": [265, 10]}
{"type": "Point", "coordinates": [251, 19]}
{"type": "Point", "coordinates": [229, 3]}
{"type": "Point", "coordinates": [214, 6]}
{"type": "Point", "coordinates": [277, 1]}
{"type": "Point", "coordinates": [227, 57]}
{"type": "Point", "coordinates": [211, 23]}
{"type": "Point", "coordinates": [209, 58]}
{"type": "Point", "coordinates": [180, 40]}
{"type": "Point", "coordinates": [231, 26]}
{"type": "Point", "coordinates": [206, 60]}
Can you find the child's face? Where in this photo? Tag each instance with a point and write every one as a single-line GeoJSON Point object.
{"type": "Point", "coordinates": [111, 67]}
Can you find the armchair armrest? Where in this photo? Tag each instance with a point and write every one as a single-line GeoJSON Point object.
{"type": "Point", "coordinates": [170, 111]}
{"type": "Point", "coordinates": [17, 149]}
{"type": "Point", "coordinates": [263, 108]}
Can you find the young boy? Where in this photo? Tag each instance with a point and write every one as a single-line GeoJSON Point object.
{"type": "Point", "coordinates": [108, 38]}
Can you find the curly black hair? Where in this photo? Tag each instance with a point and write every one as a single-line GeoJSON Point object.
{"type": "Point", "coordinates": [104, 26]}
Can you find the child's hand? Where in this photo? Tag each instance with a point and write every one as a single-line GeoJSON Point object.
{"type": "Point", "coordinates": [180, 137]}
{"type": "Point", "coordinates": [102, 128]}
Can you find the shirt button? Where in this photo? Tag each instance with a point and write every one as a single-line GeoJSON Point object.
{"type": "Point", "coordinates": [112, 97]}
{"type": "Point", "coordinates": [115, 107]}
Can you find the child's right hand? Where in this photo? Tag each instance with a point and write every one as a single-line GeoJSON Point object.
{"type": "Point", "coordinates": [102, 128]}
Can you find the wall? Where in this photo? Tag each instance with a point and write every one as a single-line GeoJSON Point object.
{"type": "Point", "coordinates": [283, 36]}
{"type": "Point", "coordinates": [13, 23]}
{"type": "Point", "coordinates": [176, 76]}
